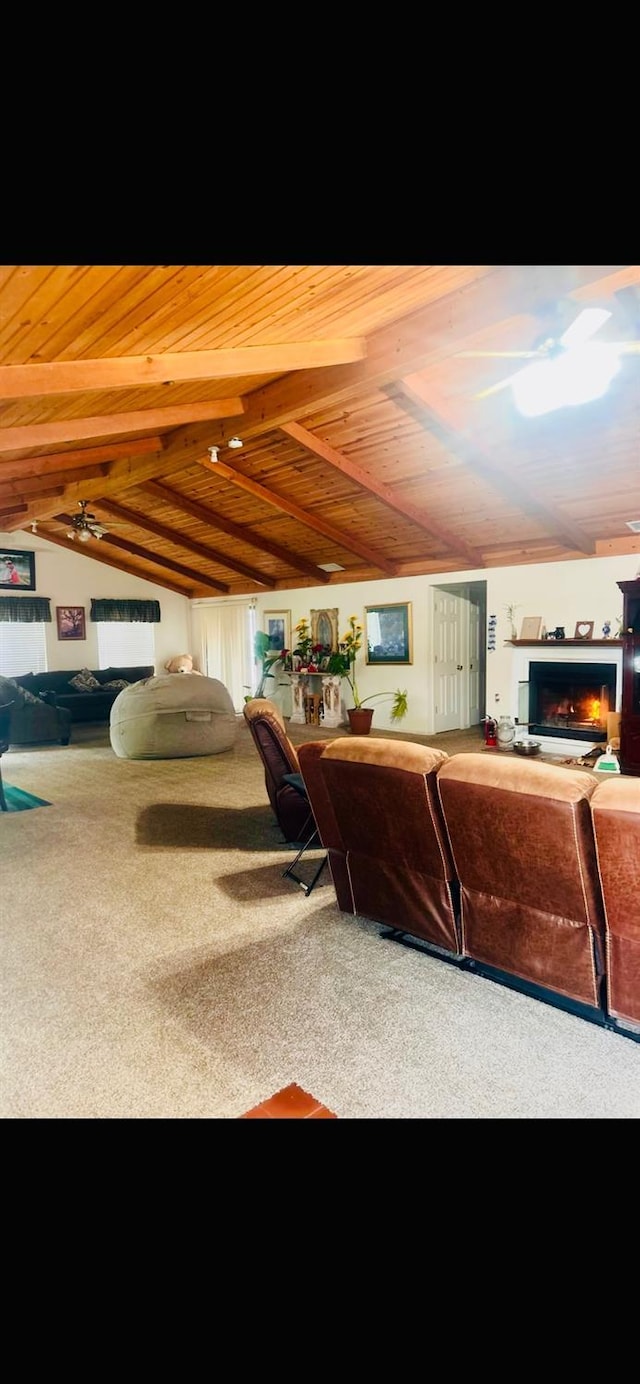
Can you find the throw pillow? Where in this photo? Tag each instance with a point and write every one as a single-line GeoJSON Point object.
{"type": "Point", "coordinates": [116, 686]}
{"type": "Point", "coordinates": [84, 681]}
{"type": "Point", "coordinates": [8, 690]}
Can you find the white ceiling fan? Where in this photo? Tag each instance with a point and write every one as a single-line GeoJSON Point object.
{"type": "Point", "coordinates": [569, 369]}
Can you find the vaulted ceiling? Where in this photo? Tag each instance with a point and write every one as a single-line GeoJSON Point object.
{"type": "Point", "coordinates": [365, 447]}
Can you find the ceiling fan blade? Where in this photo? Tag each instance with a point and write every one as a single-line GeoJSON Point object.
{"type": "Point", "coordinates": [498, 355]}
{"type": "Point", "coordinates": [493, 389]}
{"type": "Point", "coordinates": [586, 324]}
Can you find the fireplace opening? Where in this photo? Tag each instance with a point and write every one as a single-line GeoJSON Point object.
{"type": "Point", "coordinates": [571, 700]}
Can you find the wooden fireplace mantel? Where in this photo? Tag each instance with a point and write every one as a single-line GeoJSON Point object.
{"type": "Point", "coordinates": [564, 643]}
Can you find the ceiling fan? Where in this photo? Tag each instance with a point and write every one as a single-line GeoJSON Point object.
{"type": "Point", "coordinates": [567, 369]}
{"type": "Point", "coordinates": [85, 525]}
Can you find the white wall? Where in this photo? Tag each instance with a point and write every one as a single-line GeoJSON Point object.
{"type": "Point", "coordinates": [67, 578]}
{"type": "Point", "coordinates": [562, 593]}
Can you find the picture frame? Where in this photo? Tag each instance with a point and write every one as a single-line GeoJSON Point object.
{"type": "Point", "coordinates": [584, 629]}
{"type": "Point", "coordinates": [17, 569]}
{"type": "Point", "coordinates": [388, 633]}
{"type": "Point", "coordinates": [324, 628]}
{"type": "Point", "coordinates": [277, 625]}
{"type": "Point", "coordinates": [531, 627]}
{"type": "Point", "coordinates": [71, 622]}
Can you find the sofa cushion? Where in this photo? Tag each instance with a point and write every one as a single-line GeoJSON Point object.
{"type": "Point", "coordinates": [84, 681]}
{"type": "Point", "coordinates": [117, 685]}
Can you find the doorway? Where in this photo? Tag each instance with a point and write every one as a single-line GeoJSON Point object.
{"type": "Point", "coordinates": [459, 623]}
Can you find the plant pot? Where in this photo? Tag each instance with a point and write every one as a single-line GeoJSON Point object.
{"type": "Point", "coordinates": [360, 718]}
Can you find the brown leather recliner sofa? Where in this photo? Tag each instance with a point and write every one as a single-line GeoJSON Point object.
{"type": "Point", "coordinates": [616, 818]}
{"type": "Point", "coordinates": [490, 862]}
{"type": "Point", "coordinates": [279, 758]}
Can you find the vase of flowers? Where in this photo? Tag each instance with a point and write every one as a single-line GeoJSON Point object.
{"type": "Point", "coordinates": [304, 644]}
{"type": "Point", "coordinates": [344, 662]}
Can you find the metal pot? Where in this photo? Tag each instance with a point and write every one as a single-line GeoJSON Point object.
{"type": "Point", "coordinates": [526, 747]}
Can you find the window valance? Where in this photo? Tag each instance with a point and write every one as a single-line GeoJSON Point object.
{"type": "Point", "coordinates": [25, 610]}
{"type": "Point", "coordinates": [147, 612]}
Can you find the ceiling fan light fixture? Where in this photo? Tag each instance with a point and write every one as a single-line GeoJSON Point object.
{"type": "Point", "coordinates": [84, 535]}
{"type": "Point", "coordinates": [576, 377]}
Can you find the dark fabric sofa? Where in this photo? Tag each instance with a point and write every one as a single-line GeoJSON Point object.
{"type": "Point", "coordinates": [32, 720]}
{"type": "Point", "coordinates": [55, 689]}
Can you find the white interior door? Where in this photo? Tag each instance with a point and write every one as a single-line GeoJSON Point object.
{"type": "Point", "coordinates": [473, 664]}
{"type": "Point", "coordinates": [450, 624]}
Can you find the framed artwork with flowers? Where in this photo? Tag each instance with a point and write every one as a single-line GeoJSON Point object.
{"type": "Point", "coordinates": [277, 625]}
{"type": "Point", "coordinates": [388, 633]}
{"type": "Point", "coordinates": [324, 630]}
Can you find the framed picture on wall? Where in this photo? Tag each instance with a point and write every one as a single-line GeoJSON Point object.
{"type": "Point", "coordinates": [277, 625]}
{"type": "Point", "coordinates": [324, 628]}
{"type": "Point", "coordinates": [71, 623]}
{"type": "Point", "coordinates": [17, 570]}
{"type": "Point", "coordinates": [388, 633]}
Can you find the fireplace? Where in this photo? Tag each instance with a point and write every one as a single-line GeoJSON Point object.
{"type": "Point", "coordinates": [570, 701]}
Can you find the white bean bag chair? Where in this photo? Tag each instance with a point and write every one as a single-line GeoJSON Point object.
{"type": "Point", "coordinates": [172, 717]}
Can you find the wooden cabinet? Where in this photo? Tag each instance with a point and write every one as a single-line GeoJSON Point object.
{"type": "Point", "coordinates": [630, 705]}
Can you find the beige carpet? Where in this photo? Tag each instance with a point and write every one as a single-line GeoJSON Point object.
{"type": "Point", "coordinates": [155, 965]}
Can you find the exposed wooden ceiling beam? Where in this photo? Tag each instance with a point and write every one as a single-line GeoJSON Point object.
{"type": "Point", "coordinates": [130, 516]}
{"type": "Point", "coordinates": [441, 415]}
{"type": "Point", "coordinates": [126, 547]}
{"type": "Point", "coordinates": [443, 535]}
{"type": "Point", "coordinates": [51, 493]}
{"type": "Point", "coordinates": [14, 509]}
{"type": "Point", "coordinates": [40, 487]}
{"type": "Point", "coordinates": [81, 456]}
{"type": "Point", "coordinates": [128, 472]}
{"type": "Point", "coordinates": [140, 420]}
{"type": "Point", "coordinates": [99, 555]}
{"type": "Point", "coordinates": [217, 521]}
{"type": "Point", "coordinates": [435, 332]}
{"type": "Point", "coordinates": [310, 521]}
{"type": "Point", "coordinates": [171, 367]}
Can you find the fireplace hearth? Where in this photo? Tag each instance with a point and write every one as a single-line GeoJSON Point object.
{"type": "Point", "coordinates": [571, 701]}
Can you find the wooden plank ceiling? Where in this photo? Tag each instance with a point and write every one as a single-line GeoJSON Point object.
{"type": "Point", "coordinates": [364, 446]}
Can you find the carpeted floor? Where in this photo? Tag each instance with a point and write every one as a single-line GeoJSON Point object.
{"type": "Point", "coordinates": [156, 965]}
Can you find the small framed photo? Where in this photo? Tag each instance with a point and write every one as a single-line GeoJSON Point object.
{"type": "Point", "coordinates": [324, 628]}
{"type": "Point", "coordinates": [388, 633]}
{"type": "Point", "coordinates": [531, 627]}
{"type": "Point", "coordinates": [277, 625]}
{"type": "Point", "coordinates": [17, 569]}
{"type": "Point", "coordinates": [71, 622]}
{"type": "Point", "coordinates": [584, 629]}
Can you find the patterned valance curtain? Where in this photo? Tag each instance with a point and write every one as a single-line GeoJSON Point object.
{"type": "Point", "coordinates": [25, 610]}
{"type": "Point", "coordinates": [147, 612]}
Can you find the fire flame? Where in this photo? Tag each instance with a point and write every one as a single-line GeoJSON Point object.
{"type": "Point", "coordinates": [593, 709]}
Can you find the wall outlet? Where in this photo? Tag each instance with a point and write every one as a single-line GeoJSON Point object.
{"type": "Point", "coordinates": [497, 697]}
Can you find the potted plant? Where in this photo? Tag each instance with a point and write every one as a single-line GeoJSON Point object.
{"type": "Point", "coordinates": [268, 658]}
{"type": "Point", "coordinates": [344, 663]}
